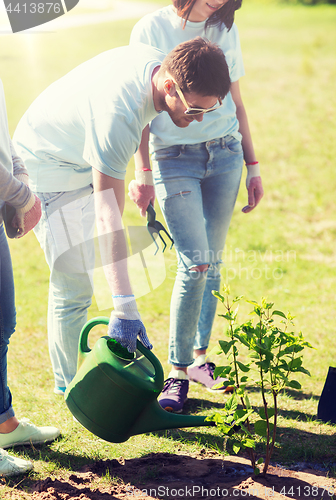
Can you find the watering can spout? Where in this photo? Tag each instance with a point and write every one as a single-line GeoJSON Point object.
{"type": "Point", "coordinates": [114, 393]}
{"type": "Point", "coordinates": [155, 418]}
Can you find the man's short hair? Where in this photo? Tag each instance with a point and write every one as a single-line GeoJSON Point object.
{"type": "Point", "coordinates": [199, 66]}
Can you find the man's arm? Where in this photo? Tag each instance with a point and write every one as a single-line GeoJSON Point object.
{"type": "Point", "coordinates": [125, 323]}
{"type": "Point", "coordinates": [109, 206]}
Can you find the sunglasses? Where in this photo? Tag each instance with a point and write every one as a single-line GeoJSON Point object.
{"type": "Point", "coordinates": [196, 111]}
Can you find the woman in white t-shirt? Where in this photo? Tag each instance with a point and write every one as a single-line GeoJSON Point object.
{"type": "Point", "coordinates": [196, 174]}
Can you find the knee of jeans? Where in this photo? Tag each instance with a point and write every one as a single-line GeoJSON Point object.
{"type": "Point", "coordinates": [214, 269]}
{"type": "Point", "coordinates": [203, 268]}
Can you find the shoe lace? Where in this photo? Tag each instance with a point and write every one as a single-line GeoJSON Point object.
{"type": "Point", "coordinates": [174, 385]}
{"type": "Point", "coordinates": [209, 368]}
{"type": "Point", "coordinates": [3, 453]}
{"type": "Point", "coordinates": [25, 422]}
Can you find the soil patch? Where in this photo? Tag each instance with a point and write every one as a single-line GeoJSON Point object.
{"type": "Point", "coordinates": [199, 476]}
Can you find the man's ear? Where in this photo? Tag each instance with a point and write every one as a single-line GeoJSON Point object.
{"type": "Point", "coordinates": [169, 87]}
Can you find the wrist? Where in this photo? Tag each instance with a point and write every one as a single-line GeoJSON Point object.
{"type": "Point", "coordinates": [125, 307]}
{"type": "Point", "coordinates": [28, 206]}
{"type": "Point", "coordinates": [253, 169]}
{"type": "Point", "coordinates": [144, 177]}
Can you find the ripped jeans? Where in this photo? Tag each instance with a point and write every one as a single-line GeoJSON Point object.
{"type": "Point", "coordinates": [196, 187]}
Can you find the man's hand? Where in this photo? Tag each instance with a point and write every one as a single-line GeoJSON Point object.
{"type": "Point", "coordinates": [141, 190]}
{"type": "Point", "coordinates": [125, 323]}
{"type": "Point", "coordinates": [126, 331]}
{"type": "Point", "coordinates": [254, 187]}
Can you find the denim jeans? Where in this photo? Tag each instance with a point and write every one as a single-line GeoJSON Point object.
{"type": "Point", "coordinates": [7, 324]}
{"type": "Point", "coordinates": [196, 186]}
{"type": "Point", "coordinates": [67, 222]}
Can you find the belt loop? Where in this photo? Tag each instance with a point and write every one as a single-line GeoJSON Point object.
{"type": "Point", "coordinates": [222, 142]}
{"type": "Point", "coordinates": [182, 148]}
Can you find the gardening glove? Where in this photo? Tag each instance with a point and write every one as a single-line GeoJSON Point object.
{"type": "Point", "coordinates": [254, 186]}
{"type": "Point", "coordinates": [27, 216]}
{"type": "Point", "coordinates": [125, 323]}
{"type": "Point", "coordinates": [141, 190]}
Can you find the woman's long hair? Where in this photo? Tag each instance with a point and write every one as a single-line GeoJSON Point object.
{"type": "Point", "coordinates": [224, 15]}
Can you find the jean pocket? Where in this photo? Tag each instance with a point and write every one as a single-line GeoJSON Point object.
{"type": "Point", "coordinates": [50, 198]}
{"type": "Point", "coordinates": [233, 145]}
{"type": "Point", "coordinates": [170, 153]}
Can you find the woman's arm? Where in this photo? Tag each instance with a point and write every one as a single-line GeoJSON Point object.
{"type": "Point", "coordinates": [253, 180]}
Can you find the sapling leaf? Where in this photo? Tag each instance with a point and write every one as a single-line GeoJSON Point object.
{"type": "Point", "coordinates": [252, 302]}
{"type": "Point", "coordinates": [218, 295]}
{"type": "Point", "coordinates": [294, 384]}
{"type": "Point", "coordinates": [226, 346]}
{"type": "Point", "coordinates": [279, 313]}
{"type": "Point", "coordinates": [256, 471]}
{"type": "Point", "coordinates": [221, 370]}
{"type": "Point", "coordinates": [244, 368]}
{"type": "Point", "coordinates": [231, 404]}
{"type": "Point", "coordinates": [248, 443]}
{"type": "Point", "coordinates": [260, 461]}
{"type": "Point", "coordinates": [270, 413]}
{"type": "Point", "coordinates": [236, 447]}
{"type": "Point", "coordinates": [237, 299]}
{"type": "Point", "coordinates": [260, 427]}
{"type": "Point", "coordinates": [303, 370]}
{"type": "Point", "coordinates": [241, 416]}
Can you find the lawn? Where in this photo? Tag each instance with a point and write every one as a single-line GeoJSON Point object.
{"type": "Point", "coordinates": [284, 250]}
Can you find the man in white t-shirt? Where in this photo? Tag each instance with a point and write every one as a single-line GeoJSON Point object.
{"type": "Point", "coordinates": [78, 137]}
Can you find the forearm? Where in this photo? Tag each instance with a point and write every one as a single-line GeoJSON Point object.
{"type": "Point", "coordinates": [19, 168]}
{"type": "Point", "coordinates": [109, 205]}
{"type": "Point", "coordinates": [141, 157]}
{"type": "Point", "coordinates": [244, 129]}
{"type": "Point", "coordinates": [12, 190]}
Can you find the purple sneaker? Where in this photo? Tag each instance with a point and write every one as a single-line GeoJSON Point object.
{"type": "Point", "coordinates": [174, 394]}
{"type": "Point", "coordinates": [204, 374]}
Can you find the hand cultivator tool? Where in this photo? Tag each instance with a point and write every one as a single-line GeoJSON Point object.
{"type": "Point", "coordinates": [154, 227]}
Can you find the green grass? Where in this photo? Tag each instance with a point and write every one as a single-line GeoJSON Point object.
{"type": "Point", "coordinates": [284, 250]}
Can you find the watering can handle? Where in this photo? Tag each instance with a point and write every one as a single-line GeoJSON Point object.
{"type": "Point", "coordinates": [83, 341]}
{"type": "Point", "coordinates": [102, 320]}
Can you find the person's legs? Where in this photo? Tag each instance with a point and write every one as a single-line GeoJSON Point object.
{"type": "Point", "coordinates": [196, 187]}
{"type": "Point", "coordinates": [219, 194]}
{"type": "Point", "coordinates": [7, 325]}
{"type": "Point", "coordinates": [12, 431]}
{"type": "Point", "coordinates": [65, 233]}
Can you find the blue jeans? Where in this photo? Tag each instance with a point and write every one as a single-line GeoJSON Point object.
{"type": "Point", "coordinates": [196, 186]}
{"type": "Point", "coordinates": [65, 233]}
{"type": "Point", "coordinates": [7, 324]}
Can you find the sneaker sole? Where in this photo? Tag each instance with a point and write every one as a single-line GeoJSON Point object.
{"type": "Point", "coordinates": [30, 442]}
{"type": "Point", "coordinates": [170, 409]}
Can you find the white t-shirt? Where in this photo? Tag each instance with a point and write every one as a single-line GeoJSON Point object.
{"type": "Point", "coordinates": [91, 117]}
{"type": "Point", "coordinates": [163, 29]}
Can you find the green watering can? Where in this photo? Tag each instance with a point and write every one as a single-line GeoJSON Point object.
{"type": "Point", "coordinates": [114, 393]}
